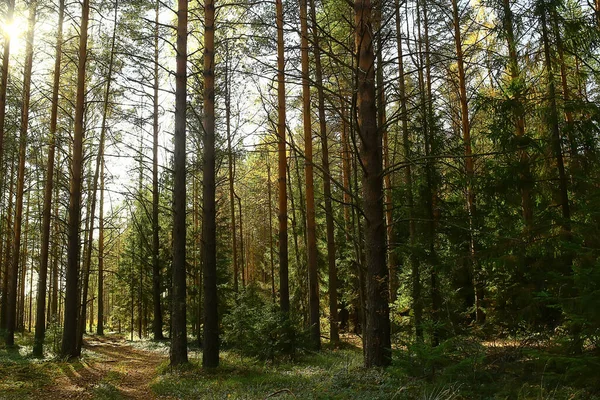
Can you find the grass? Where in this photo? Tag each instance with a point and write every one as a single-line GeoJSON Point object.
{"type": "Point", "coordinates": [461, 368]}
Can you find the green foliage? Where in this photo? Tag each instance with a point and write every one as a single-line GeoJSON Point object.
{"type": "Point", "coordinates": [256, 328]}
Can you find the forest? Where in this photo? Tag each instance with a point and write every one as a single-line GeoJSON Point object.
{"type": "Point", "coordinates": [368, 199]}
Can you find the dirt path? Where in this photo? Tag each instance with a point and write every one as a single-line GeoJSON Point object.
{"type": "Point", "coordinates": [116, 371]}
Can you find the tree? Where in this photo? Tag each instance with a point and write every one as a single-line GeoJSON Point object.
{"type": "Point", "coordinates": [377, 341]}
{"type": "Point", "coordinates": [40, 324]}
{"type": "Point", "coordinates": [16, 258]}
{"type": "Point", "coordinates": [178, 353]}
{"type": "Point", "coordinates": [210, 355]}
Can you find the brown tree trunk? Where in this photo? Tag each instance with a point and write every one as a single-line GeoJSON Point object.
{"type": "Point", "coordinates": [284, 290]}
{"type": "Point", "coordinates": [4, 82]}
{"type": "Point", "coordinates": [8, 248]}
{"type": "Point", "coordinates": [334, 336]}
{"type": "Point", "coordinates": [469, 167]}
{"type": "Point", "coordinates": [313, 273]}
{"type": "Point", "coordinates": [271, 228]}
{"type": "Point", "coordinates": [378, 350]}
{"type": "Point", "coordinates": [100, 325]}
{"type": "Point", "coordinates": [40, 324]}
{"type": "Point", "coordinates": [178, 315]}
{"type": "Point", "coordinates": [69, 338]}
{"type": "Point", "coordinates": [14, 271]}
{"type": "Point", "coordinates": [210, 355]}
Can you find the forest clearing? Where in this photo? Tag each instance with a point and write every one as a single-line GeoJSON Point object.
{"type": "Point", "coordinates": [313, 199]}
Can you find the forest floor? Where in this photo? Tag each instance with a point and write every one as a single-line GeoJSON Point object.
{"type": "Point", "coordinates": [112, 368]}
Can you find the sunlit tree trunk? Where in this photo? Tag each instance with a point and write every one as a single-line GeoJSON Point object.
{"type": "Point", "coordinates": [16, 255]}
{"type": "Point", "coordinates": [10, 8]}
{"type": "Point", "coordinates": [313, 274]}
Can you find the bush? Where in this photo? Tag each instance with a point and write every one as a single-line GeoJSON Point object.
{"type": "Point", "coordinates": [256, 328]}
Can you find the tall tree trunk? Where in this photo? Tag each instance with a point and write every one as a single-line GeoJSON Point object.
{"type": "Point", "coordinates": [54, 316]}
{"type": "Point", "coordinates": [178, 295]}
{"type": "Point", "coordinates": [210, 354]}
{"type": "Point", "coordinates": [13, 273]}
{"type": "Point", "coordinates": [100, 325]}
{"type": "Point", "coordinates": [4, 83]}
{"type": "Point", "coordinates": [230, 167]}
{"type": "Point", "coordinates": [378, 350]}
{"type": "Point", "coordinates": [387, 179]}
{"type": "Point", "coordinates": [313, 273]}
{"type": "Point", "coordinates": [69, 338]}
{"type": "Point", "coordinates": [334, 336]}
{"type": "Point", "coordinates": [271, 228]}
{"type": "Point", "coordinates": [469, 167]}
{"type": "Point", "coordinates": [284, 290]}
{"type": "Point", "coordinates": [412, 231]}
{"type": "Point", "coordinates": [8, 248]}
{"type": "Point", "coordinates": [157, 324]}
{"type": "Point", "coordinates": [40, 324]}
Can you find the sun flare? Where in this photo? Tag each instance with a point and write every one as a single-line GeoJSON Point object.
{"type": "Point", "coordinates": [15, 31]}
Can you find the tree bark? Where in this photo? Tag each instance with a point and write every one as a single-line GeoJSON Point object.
{"type": "Point", "coordinates": [13, 273]}
{"type": "Point", "coordinates": [284, 290]}
{"type": "Point", "coordinates": [178, 354]}
{"type": "Point", "coordinates": [378, 350]}
{"type": "Point", "coordinates": [313, 273]}
{"type": "Point", "coordinates": [40, 324]}
{"type": "Point", "coordinates": [4, 83]}
{"type": "Point", "coordinates": [157, 323]}
{"type": "Point", "coordinates": [210, 355]}
{"type": "Point", "coordinates": [334, 336]}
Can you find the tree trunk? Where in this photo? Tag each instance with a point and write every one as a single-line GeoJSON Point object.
{"type": "Point", "coordinates": [378, 350]}
{"type": "Point", "coordinates": [40, 324]}
{"type": "Point", "coordinates": [13, 273]}
{"type": "Point", "coordinates": [210, 355]}
{"type": "Point", "coordinates": [313, 273]}
{"type": "Point", "coordinates": [4, 83]}
{"type": "Point", "coordinates": [178, 317]}
{"type": "Point", "coordinates": [230, 167]}
{"type": "Point", "coordinates": [8, 248]}
{"type": "Point", "coordinates": [334, 336]}
{"type": "Point", "coordinates": [555, 132]}
{"type": "Point", "coordinates": [412, 231]}
{"type": "Point", "coordinates": [100, 325]}
{"type": "Point", "coordinates": [284, 290]}
{"type": "Point", "coordinates": [69, 338]}
{"type": "Point", "coordinates": [157, 324]}
{"type": "Point", "coordinates": [473, 269]}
